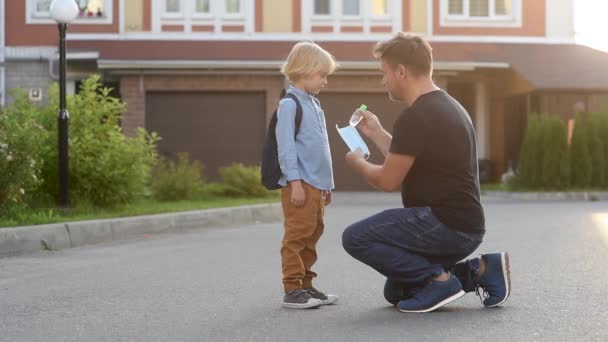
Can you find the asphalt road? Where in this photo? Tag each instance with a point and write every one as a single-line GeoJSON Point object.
{"type": "Point", "coordinates": [225, 285]}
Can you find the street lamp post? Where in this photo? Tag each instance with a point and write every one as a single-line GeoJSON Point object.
{"type": "Point", "coordinates": [63, 12]}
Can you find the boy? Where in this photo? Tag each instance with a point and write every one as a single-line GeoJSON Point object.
{"type": "Point", "coordinates": [307, 180]}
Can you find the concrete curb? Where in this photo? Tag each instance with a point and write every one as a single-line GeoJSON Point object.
{"type": "Point", "coordinates": [549, 196]}
{"type": "Point", "coordinates": [19, 240]}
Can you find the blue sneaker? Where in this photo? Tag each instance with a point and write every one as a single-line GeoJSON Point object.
{"type": "Point", "coordinates": [433, 296]}
{"type": "Point", "coordinates": [495, 280]}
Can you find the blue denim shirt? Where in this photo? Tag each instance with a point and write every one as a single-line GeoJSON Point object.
{"type": "Point", "coordinates": [307, 157]}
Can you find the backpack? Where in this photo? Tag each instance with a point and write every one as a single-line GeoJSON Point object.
{"type": "Point", "coordinates": [271, 170]}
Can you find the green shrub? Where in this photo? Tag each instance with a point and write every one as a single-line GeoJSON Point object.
{"type": "Point", "coordinates": [555, 167]}
{"type": "Point", "coordinates": [106, 167]}
{"type": "Point", "coordinates": [20, 151]}
{"type": "Point", "coordinates": [529, 169]}
{"type": "Point", "coordinates": [580, 154]}
{"type": "Point", "coordinates": [243, 181]}
{"type": "Point", "coordinates": [598, 147]}
{"type": "Point", "coordinates": [179, 180]}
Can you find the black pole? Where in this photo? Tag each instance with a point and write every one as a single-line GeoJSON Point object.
{"type": "Point", "coordinates": [62, 120]}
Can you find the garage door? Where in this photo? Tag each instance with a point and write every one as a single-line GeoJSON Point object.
{"type": "Point", "coordinates": [338, 107]}
{"type": "Point", "coordinates": [216, 128]}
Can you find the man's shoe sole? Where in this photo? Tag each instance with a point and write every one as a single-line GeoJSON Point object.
{"type": "Point", "coordinates": [506, 270]}
{"type": "Point", "coordinates": [310, 305]}
{"type": "Point", "coordinates": [438, 305]}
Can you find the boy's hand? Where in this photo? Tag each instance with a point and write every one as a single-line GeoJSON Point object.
{"type": "Point", "coordinates": [327, 197]}
{"type": "Point", "coordinates": [353, 158]}
{"type": "Point", "coordinates": [297, 194]}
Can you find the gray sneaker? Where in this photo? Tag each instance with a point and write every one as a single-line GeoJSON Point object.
{"type": "Point", "coordinates": [326, 299]}
{"type": "Point", "coordinates": [300, 299]}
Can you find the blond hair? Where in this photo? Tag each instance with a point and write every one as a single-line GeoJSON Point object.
{"type": "Point", "coordinates": [307, 59]}
{"type": "Point", "coordinates": [410, 50]}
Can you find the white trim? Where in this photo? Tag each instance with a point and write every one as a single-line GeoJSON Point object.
{"type": "Point", "coordinates": [42, 52]}
{"type": "Point", "coordinates": [121, 16]}
{"type": "Point", "coordinates": [465, 20]}
{"type": "Point", "coordinates": [275, 65]}
{"type": "Point", "coordinates": [262, 36]}
{"type": "Point", "coordinates": [31, 18]}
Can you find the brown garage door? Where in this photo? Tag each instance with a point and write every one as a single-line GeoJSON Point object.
{"type": "Point", "coordinates": [338, 107]}
{"type": "Point", "coordinates": [216, 128]}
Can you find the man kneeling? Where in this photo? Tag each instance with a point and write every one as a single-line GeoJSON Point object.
{"type": "Point", "coordinates": [432, 156]}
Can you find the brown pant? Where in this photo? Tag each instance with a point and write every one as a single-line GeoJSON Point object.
{"type": "Point", "coordinates": [303, 228]}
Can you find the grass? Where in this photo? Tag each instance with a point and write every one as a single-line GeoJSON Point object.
{"type": "Point", "coordinates": [494, 187]}
{"type": "Point", "coordinates": [26, 217]}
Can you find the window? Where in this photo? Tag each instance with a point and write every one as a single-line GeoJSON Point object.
{"type": "Point", "coordinates": [481, 13]}
{"type": "Point", "coordinates": [479, 8]}
{"type": "Point", "coordinates": [351, 8]}
{"type": "Point", "coordinates": [456, 7]}
{"type": "Point", "coordinates": [502, 7]}
{"type": "Point", "coordinates": [233, 6]}
{"type": "Point", "coordinates": [321, 7]}
{"type": "Point", "coordinates": [380, 8]}
{"type": "Point", "coordinates": [352, 16]}
{"type": "Point", "coordinates": [204, 16]}
{"type": "Point", "coordinates": [202, 6]}
{"type": "Point", "coordinates": [90, 11]}
{"type": "Point", "coordinates": [173, 6]}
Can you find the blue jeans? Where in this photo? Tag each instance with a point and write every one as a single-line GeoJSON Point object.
{"type": "Point", "coordinates": [409, 246]}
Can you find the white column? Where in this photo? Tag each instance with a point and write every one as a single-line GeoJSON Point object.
{"type": "Point", "coordinates": [70, 87]}
{"type": "Point", "coordinates": [482, 120]}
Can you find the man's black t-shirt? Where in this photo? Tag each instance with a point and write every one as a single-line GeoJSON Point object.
{"type": "Point", "coordinates": [438, 131]}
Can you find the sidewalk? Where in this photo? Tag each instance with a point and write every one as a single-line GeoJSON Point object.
{"type": "Point", "coordinates": [58, 236]}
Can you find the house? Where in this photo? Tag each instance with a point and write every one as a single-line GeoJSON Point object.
{"type": "Point", "coordinates": [204, 73]}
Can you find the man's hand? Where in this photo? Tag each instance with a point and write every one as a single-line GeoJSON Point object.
{"type": "Point", "coordinates": [369, 125]}
{"type": "Point", "coordinates": [297, 194]}
{"type": "Point", "coordinates": [327, 197]}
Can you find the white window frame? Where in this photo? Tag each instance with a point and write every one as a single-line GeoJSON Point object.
{"type": "Point", "coordinates": [366, 18]}
{"type": "Point", "coordinates": [216, 17]}
{"type": "Point", "coordinates": [33, 17]}
{"type": "Point", "coordinates": [493, 20]}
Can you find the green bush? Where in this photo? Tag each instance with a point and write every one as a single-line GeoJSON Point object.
{"type": "Point", "coordinates": [554, 167]}
{"type": "Point", "coordinates": [529, 169]}
{"type": "Point", "coordinates": [243, 181]}
{"type": "Point", "coordinates": [603, 134]}
{"type": "Point", "coordinates": [106, 167]}
{"type": "Point", "coordinates": [580, 157]}
{"type": "Point", "coordinates": [598, 147]}
{"type": "Point", "coordinates": [179, 180]}
{"type": "Point", "coordinates": [20, 152]}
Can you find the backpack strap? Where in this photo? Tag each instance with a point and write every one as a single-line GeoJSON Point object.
{"type": "Point", "coordinates": [298, 111]}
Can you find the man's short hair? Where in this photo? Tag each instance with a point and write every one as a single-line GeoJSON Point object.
{"type": "Point", "coordinates": [410, 50]}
